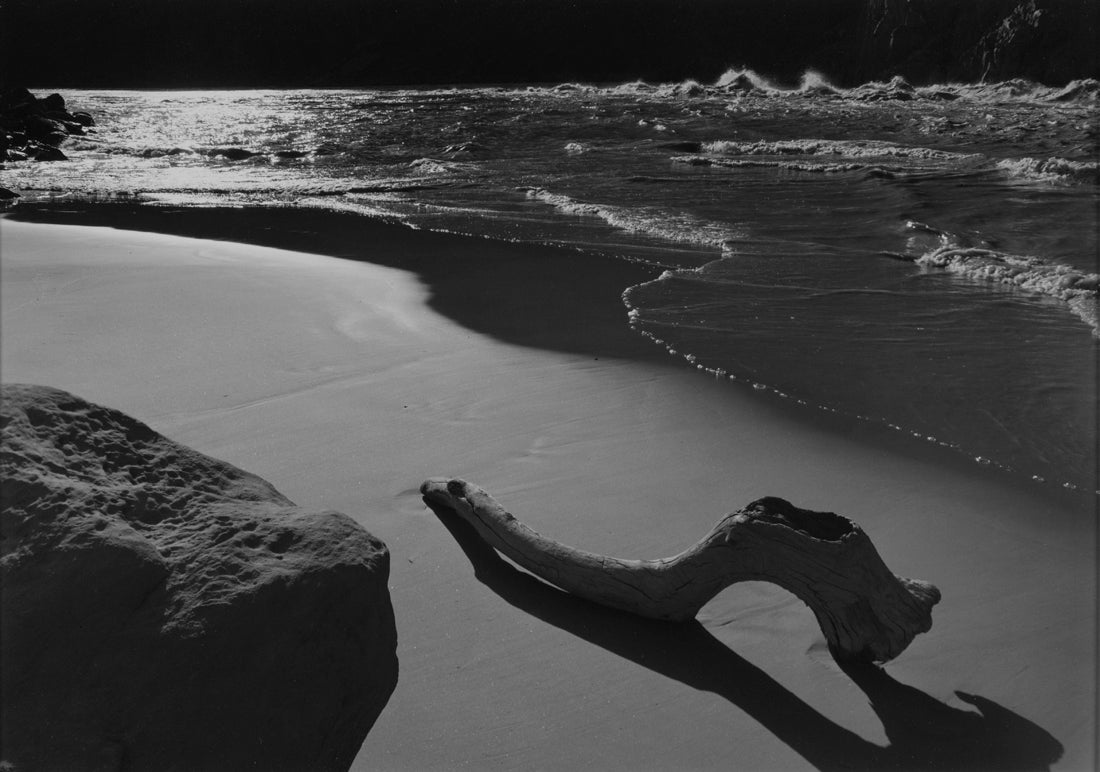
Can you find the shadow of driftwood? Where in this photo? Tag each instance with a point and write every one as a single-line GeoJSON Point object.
{"type": "Point", "coordinates": [924, 733]}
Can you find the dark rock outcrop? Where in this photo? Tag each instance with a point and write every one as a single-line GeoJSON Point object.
{"type": "Point", "coordinates": [33, 128]}
{"type": "Point", "coordinates": [1051, 41]}
{"type": "Point", "coordinates": [165, 610]}
{"type": "Point", "coordinates": [48, 153]}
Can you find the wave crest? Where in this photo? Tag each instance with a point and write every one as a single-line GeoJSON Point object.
{"type": "Point", "coordinates": [863, 148]}
{"type": "Point", "coordinates": [1052, 169]}
{"type": "Point", "coordinates": [654, 223]}
{"type": "Point", "coordinates": [1079, 289]}
{"type": "Point", "coordinates": [745, 81]}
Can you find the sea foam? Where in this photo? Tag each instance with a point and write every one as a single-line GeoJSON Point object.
{"type": "Point", "coordinates": [1079, 289]}
{"type": "Point", "coordinates": [845, 148]}
{"type": "Point", "coordinates": [655, 223]}
{"type": "Point", "coordinates": [745, 79]}
{"type": "Point", "coordinates": [798, 166]}
{"type": "Point", "coordinates": [812, 82]}
{"type": "Point", "coordinates": [1051, 169]}
{"type": "Point", "coordinates": [822, 156]}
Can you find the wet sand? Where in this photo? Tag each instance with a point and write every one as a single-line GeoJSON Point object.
{"type": "Point", "coordinates": [347, 382]}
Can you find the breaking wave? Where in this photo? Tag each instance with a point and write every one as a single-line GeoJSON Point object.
{"type": "Point", "coordinates": [1052, 169]}
{"type": "Point", "coordinates": [899, 89]}
{"type": "Point", "coordinates": [1080, 290]}
{"type": "Point", "coordinates": [845, 148]}
{"type": "Point", "coordinates": [749, 82]}
{"type": "Point", "coordinates": [661, 224]}
{"type": "Point", "coordinates": [732, 163]}
{"type": "Point", "coordinates": [821, 156]}
{"type": "Point", "coordinates": [877, 156]}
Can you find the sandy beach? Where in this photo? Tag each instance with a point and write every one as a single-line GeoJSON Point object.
{"type": "Point", "coordinates": [346, 382]}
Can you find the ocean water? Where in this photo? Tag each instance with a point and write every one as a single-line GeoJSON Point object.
{"type": "Point", "coordinates": [922, 261]}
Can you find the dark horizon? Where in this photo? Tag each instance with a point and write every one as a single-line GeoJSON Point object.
{"type": "Point", "coordinates": [275, 43]}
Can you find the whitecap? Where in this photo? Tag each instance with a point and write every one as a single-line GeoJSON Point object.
{"type": "Point", "coordinates": [1033, 274]}
{"type": "Point", "coordinates": [732, 163]}
{"type": "Point", "coordinates": [675, 227]}
{"type": "Point", "coordinates": [745, 79]}
{"type": "Point", "coordinates": [1083, 90]}
{"type": "Point", "coordinates": [846, 148]}
{"type": "Point", "coordinates": [1052, 169]}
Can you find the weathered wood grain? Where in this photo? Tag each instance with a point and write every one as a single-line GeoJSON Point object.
{"type": "Point", "coordinates": [865, 611]}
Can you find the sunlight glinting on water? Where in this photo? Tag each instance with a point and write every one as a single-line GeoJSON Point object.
{"type": "Point", "coordinates": [919, 258]}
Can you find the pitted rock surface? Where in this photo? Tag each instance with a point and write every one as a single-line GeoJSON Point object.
{"type": "Point", "coordinates": [162, 609]}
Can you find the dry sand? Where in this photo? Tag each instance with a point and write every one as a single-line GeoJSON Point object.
{"type": "Point", "coordinates": [336, 381]}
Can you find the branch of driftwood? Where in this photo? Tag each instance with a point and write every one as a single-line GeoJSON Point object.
{"type": "Point", "coordinates": [865, 611]}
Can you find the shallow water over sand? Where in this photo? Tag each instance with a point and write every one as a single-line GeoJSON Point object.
{"type": "Point", "coordinates": [923, 260]}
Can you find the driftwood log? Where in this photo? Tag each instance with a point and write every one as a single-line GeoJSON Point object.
{"type": "Point", "coordinates": [866, 612]}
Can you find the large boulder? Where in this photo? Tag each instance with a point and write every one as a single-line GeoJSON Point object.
{"type": "Point", "coordinates": [164, 610]}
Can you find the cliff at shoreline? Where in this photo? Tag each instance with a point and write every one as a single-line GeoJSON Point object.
{"type": "Point", "coordinates": [254, 43]}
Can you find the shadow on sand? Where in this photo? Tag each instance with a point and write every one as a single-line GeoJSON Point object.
{"type": "Point", "coordinates": [924, 733]}
{"type": "Point", "coordinates": [526, 294]}
{"type": "Point", "coordinates": [542, 297]}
